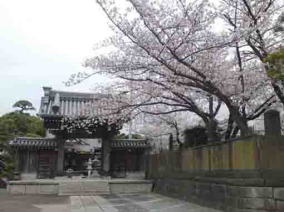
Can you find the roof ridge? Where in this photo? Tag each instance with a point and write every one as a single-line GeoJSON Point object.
{"type": "Point", "coordinates": [125, 139]}
{"type": "Point", "coordinates": [75, 92]}
{"type": "Point", "coordinates": [69, 103]}
{"type": "Point", "coordinates": [23, 137]}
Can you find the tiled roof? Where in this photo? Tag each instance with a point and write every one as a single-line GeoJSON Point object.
{"type": "Point", "coordinates": [126, 143]}
{"type": "Point", "coordinates": [37, 143]}
{"type": "Point", "coordinates": [73, 104]}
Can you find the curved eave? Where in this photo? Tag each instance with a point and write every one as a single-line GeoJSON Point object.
{"type": "Point", "coordinates": [130, 147]}
{"type": "Point", "coordinates": [42, 115]}
{"type": "Point", "coordinates": [32, 143]}
{"type": "Point", "coordinates": [130, 144]}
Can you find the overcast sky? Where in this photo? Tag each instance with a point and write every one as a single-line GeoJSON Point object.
{"type": "Point", "coordinates": [42, 43]}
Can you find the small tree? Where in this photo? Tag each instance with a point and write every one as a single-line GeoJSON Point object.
{"type": "Point", "coordinates": [24, 105]}
{"type": "Point", "coordinates": [275, 62]}
{"type": "Point", "coordinates": [12, 125]}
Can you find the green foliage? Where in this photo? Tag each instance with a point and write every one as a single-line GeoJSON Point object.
{"type": "Point", "coordinates": [12, 125]}
{"type": "Point", "coordinates": [24, 105]}
{"type": "Point", "coordinates": [195, 137]}
{"type": "Point", "coordinates": [7, 165]}
{"type": "Point", "coordinates": [20, 124]}
{"type": "Point", "coordinates": [275, 63]}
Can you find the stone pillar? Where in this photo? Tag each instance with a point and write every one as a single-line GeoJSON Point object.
{"type": "Point", "coordinates": [147, 161]}
{"type": "Point", "coordinates": [272, 124]}
{"type": "Point", "coordinates": [60, 158]}
{"type": "Point", "coordinates": [106, 155]}
{"type": "Point", "coordinates": [171, 142]}
{"type": "Point", "coordinates": [17, 168]}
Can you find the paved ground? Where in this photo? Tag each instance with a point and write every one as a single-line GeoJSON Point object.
{"type": "Point", "coordinates": [108, 203]}
{"type": "Point", "coordinates": [133, 203]}
{"type": "Point", "coordinates": [33, 203]}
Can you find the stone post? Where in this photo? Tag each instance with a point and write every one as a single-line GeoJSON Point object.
{"type": "Point", "coordinates": [147, 167]}
{"type": "Point", "coordinates": [89, 167]}
{"type": "Point", "coordinates": [272, 124]}
{"type": "Point", "coordinates": [60, 158]}
{"type": "Point", "coordinates": [171, 142]}
{"type": "Point", "coordinates": [106, 154]}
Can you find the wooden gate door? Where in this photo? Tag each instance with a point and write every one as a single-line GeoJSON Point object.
{"type": "Point", "coordinates": [46, 164]}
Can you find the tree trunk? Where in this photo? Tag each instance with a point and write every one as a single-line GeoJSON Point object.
{"type": "Point", "coordinates": [211, 124]}
{"type": "Point", "coordinates": [229, 128]}
{"type": "Point", "coordinates": [177, 135]}
{"type": "Point", "coordinates": [235, 132]}
{"type": "Point", "coordinates": [240, 121]}
{"type": "Point", "coordinates": [212, 134]}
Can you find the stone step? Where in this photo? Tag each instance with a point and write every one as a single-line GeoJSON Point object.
{"type": "Point", "coordinates": [83, 204]}
{"type": "Point", "coordinates": [91, 204]}
{"type": "Point", "coordinates": [94, 193]}
{"type": "Point", "coordinates": [84, 188]}
{"type": "Point", "coordinates": [80, 193]}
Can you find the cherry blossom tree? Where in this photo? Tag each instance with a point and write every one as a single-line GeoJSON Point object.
{"type": "Point", "coordinates": [179, 52]}
{"type": "Point", "coordinates": [159, 100]}
{"type": "Point", "coordinates": [169, 125]}
{"type": "Point", "coordinates": [256, 24]}
{"type": "Point", "coordinates": [170, 54]}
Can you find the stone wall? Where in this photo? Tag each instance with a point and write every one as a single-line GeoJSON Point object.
{"type": "Point", "coordinates": [80, 187]}
{"type": "Point", "coordinates": [23, 187]}
{"type": "Point", "coordinates": [243, 175]}
{"type": "Point", "coordinates": [131, 186]}
{"type": "Point", "coordinates": [230, 198]}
